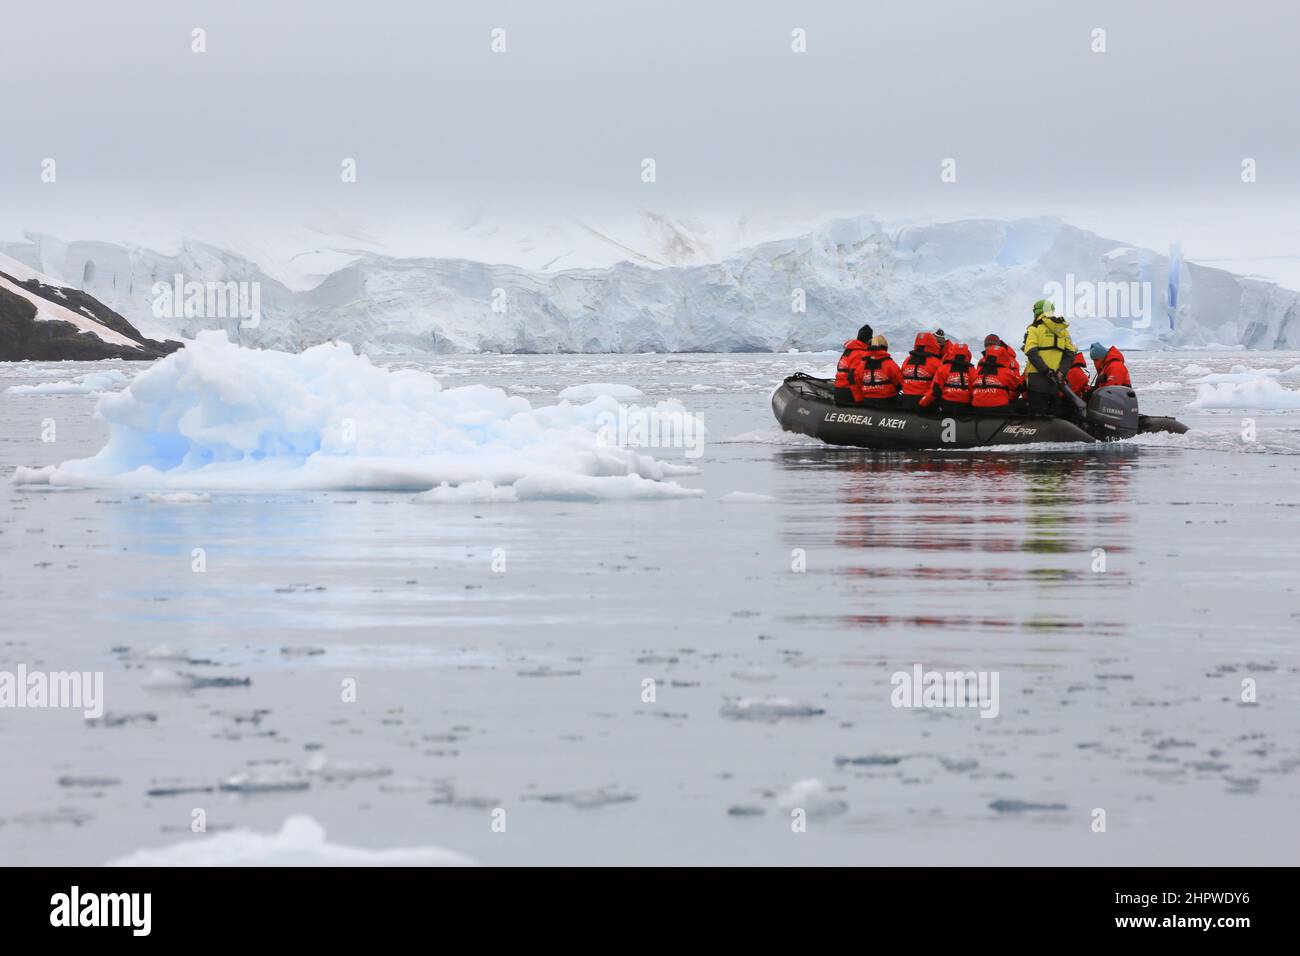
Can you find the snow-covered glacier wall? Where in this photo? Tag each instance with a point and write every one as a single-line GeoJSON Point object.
{"type": "Point", "coordinates": [807, 292]}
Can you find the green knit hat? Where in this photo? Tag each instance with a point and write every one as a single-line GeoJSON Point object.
{"type": "Point", "coordinates": [1043, 307]}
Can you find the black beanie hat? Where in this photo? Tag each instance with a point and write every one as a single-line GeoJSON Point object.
{"type": "Point", "coordinates": [865, 333]}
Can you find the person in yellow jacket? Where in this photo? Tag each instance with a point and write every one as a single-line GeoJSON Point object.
{"type": "Point", "coordinates": [1049, 350]}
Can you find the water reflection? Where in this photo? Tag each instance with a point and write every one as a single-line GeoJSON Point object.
{"type": "Point", "coordinates": [966, 535]}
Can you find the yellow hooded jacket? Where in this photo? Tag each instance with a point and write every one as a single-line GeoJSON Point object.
{"type": "Point", "coordinates": [1051, 336]}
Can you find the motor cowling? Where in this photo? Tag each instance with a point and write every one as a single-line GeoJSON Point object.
{"type": "Point", "coordinates": [1113, 412]}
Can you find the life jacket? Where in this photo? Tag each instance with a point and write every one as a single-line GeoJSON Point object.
{"type": "Point", "coordinates": [1024, 343]}
{"type": "Point", "coordinates": [880, 376]}
{"type": "Point", "coordinates": [1111, 370]}
{"type": "Point", "coordinates": [1051, 337]}
{"type": "Point", "coordinates": [1012, 360]}
{"type": "Point", "coordinates": [921, 365]}
{"type": "Point", "coordinates": [996, 382]}
{"type": "Point", "coordinates": [956, 377]}
{"type": "Point", "coordinates": [1077, 376]}
{"type": "Point", "coordinates": [847, 371]}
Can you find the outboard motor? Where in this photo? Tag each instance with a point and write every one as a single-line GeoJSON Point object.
{"type": "Point", "coordinates": [1113, 412]}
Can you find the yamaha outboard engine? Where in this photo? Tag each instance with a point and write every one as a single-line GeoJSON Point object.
{"type": "Point", "coordinates": [1113, 412]}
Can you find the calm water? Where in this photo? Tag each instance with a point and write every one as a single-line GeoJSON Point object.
{"type": "Point", "coordinates": [476, 689]}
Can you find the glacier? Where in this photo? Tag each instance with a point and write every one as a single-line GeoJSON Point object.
{"type": "Point", "coordinates": [970, 277]}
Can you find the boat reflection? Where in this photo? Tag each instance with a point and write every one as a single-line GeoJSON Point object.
{"type": "Point", "coordinates": [976, 531]}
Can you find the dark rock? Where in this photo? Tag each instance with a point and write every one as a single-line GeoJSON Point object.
{"type": "Point", "coordinates": [23, 337]}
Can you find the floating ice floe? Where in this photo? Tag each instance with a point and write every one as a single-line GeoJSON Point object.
{"type": "Point", "coordinates": [768, 709]}
{"type": "Point", "coordinates": [300, 842]}
{"type": "Point", "coordinates": [86, 384]}
{"type": "Point", "coordinates": [1262, 392]}
{"type": "Point", "coordinates": [746, 498]}
{"type": "Point", "coordinates": [161, 679]}
{"type": "Point", "coordinates": [599, 390]}
{"type": "Point", "coordinates": [216, 415]}
{"type": "Point", "coordinates": [1025, 806]}
{"type": "Point", "coordinates": [334, 771]}
{"type": "Point", "coordinates": [470, 493]}
{"type": "Point", "coordinates": [179, 498]}
{"type": "Point", "coordinates": [813, 798]}
{"type": "Point", "coordinates": [586, 799]}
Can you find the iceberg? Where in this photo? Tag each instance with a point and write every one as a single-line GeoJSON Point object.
{"type": "Point", "coordinates": [218, 416]}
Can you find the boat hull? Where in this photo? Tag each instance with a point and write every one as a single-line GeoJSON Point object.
{"type": "Point", "coordinates": [806, 405]}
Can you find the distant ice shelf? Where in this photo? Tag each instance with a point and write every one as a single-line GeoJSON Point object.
{"type": "Point", "coordinates": [807, 292]}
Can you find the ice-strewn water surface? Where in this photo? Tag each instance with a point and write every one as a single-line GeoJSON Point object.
{"type": "Point", "coordinates": [618, 680]}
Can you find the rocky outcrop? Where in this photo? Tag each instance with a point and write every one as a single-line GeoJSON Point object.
{"type": "Point", "coordinates": [43, 322]}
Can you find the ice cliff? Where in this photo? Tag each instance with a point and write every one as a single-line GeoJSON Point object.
{"type": "Point", "coordinates": [808, 292]}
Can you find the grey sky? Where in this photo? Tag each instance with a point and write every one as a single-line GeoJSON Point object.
{"type": "Point", "coordinates": [712, 91]}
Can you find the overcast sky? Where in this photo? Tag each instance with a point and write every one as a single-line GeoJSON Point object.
{"type": "Point", "coordinates": [560, 123]}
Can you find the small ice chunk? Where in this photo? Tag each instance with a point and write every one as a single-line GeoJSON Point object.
{"type": "Point", "coordinates": [179, 498]}
{"type": "Point", "coordinates": [265, 782]}
{"type": "Point", "coordinates": [768, 709]}
{"type": "Point", "coordinates": [599, 390]}
{"type": "Point", "coordinates": [90, 782]}
{"type": "Point", "coordinates": [746, 498]}
{"type": "Point", "coordinates": [1024, 806]}
{"type": "Point", "coordinates": [586, 799]}
{"type": "Point", "coordinates": [469, 493]}
{"type": "Point", "coordinates": [300, 842]}
{"type": "Point", "coordinates": [813, 798]}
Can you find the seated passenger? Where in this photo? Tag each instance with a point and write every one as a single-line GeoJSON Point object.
{"type": "Point", "coordinates": [997, 384]}
{"type": "Point", "coordinates": [953, 382]}
{"type": "Point", "coordinates": [919, 368]}
{"type": "Point", "coordinates": [945, 344]}
{"type": "Point", "coordinates": [993, 339]}
{"type": "Point", "coordinates": [1111, 369]}
{"type": "Point", "coordinates": [881, 377]}
{"type": "Point", "coordinates": [1077, 376]}
{"type": "Point", "coordinates": [847, 371]}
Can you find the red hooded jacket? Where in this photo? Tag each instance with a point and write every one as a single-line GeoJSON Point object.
{"type": "Point", "coordinates": [955, 379]}
{"type": "Point", "coordinates": [921, 365]}
{"type": "Point", "coordinates": [880, 376]}
{"type": "Point", "coordinates": [997, 382]}
{"type": "Point", "coordinates": [1077, 376]}
{"type": "Point", "coordinates": [848, 373]}
{"type": "Point", "coordinates": [1111, 370]}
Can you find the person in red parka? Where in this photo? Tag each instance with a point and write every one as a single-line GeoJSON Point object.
{"type": "Point", "coordinates": [848, 371]}
{"type": "Point", "coordinates": [1077, 376]}
{"type": "Point", "coordinates": [881, 377]}
{"type": "Point", "coordinates": [993, 340]}
{"type": "Point", "coordinates": [1011, 354]}
{"type": "Point", "coordinates": [954, 381]}
{"type": "Point", "coordinates": [1111, 369]}
{"type": "Point", "coordinates": [919, 369]}
{"type": "Point", "coordinates": [997, 383]}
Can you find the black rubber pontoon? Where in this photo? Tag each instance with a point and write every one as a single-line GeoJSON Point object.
{"type": "Point", "coordinates": [807, 405]}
